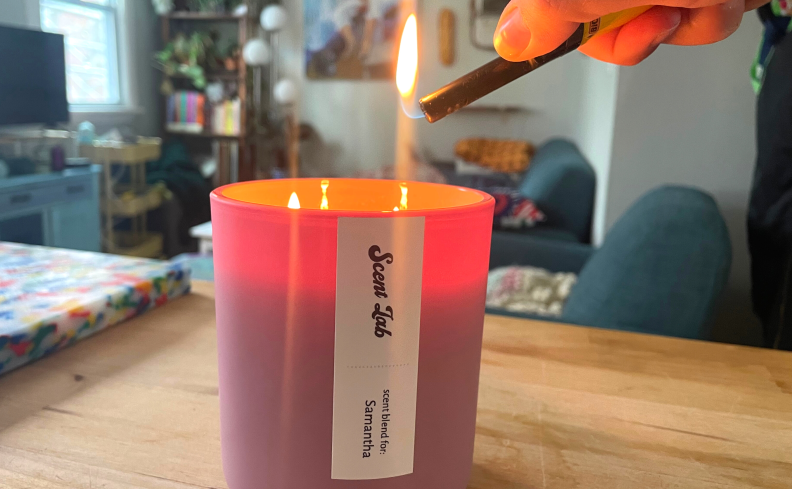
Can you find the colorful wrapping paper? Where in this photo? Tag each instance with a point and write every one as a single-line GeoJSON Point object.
{"type": "Point", "coordinates": [51, 298]}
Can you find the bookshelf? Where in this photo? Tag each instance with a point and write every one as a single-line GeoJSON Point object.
{"type": "Point", "coordinates": [220, 75]}
{"type": "Point", "coordinates": [201, 16]}
{"type": "Point", "coordinates": [203, 134]}
{"type": "Point", "coordinates": [238, 149]}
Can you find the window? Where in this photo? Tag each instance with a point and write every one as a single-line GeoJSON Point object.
{"type": "Point", "coordinates": [89, 26]}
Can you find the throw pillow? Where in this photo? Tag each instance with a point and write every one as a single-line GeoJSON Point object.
{"type": "Point", "coordinates": [529, 290]}
{"type": "Point", "coordinates": [513, 211]}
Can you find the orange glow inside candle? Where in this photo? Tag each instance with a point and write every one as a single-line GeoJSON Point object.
{"type": "Point", "coordinates": [352, 195]}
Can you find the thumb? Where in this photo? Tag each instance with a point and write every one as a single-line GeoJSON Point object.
{"type": "Point", "coordinates": [524, 33]}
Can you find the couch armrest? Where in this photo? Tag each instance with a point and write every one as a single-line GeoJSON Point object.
{"type": "Point", "coordinates": [660, 269]}
{"type": "Point", "coordinates": [519, 249]}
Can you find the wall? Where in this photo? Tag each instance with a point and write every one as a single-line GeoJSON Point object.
{"type": "Point", "coordinates": [357, 119]}
{"type": "Point", "coordinates": [686, 116]}
{"type": "Point", "coordinates": [141, 37]}
{"type": "Point", "coordinates": [596, 123]}
{"type": "Point", "coordinates": [19, 13]}
{"type": "Point", "coordinates": [550, 97]}
{"type": "Point", "coordinates": [573, 97]}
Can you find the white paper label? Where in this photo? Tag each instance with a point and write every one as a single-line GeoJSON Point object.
{"type": "Point", "coordinates": [378, 314]}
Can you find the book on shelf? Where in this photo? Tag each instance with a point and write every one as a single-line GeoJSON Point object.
{"type": "Point", "coordinates": [186, 111]}
{"type": "Point", "coordinates": [226, 118]}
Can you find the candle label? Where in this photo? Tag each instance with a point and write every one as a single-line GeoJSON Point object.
{"type": "Point", "coordinates": [377, 327]}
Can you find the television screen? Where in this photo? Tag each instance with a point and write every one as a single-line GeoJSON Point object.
{"type": "Point", "coordinates": [32, 77]}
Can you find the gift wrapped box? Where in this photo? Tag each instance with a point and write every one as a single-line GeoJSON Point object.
{"type": "Point", "coordinates": [51, 298]}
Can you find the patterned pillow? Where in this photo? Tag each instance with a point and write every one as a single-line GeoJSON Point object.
{"type": "Point", "coordinates": [529, 290]}
{"type": "Point", "coordinates": [513, 211]}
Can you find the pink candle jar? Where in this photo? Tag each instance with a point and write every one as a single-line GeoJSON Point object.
{"type": "Point", "coordinates": [349, 324]}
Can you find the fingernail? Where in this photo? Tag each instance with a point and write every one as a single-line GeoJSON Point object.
{"type": "Point", "coordinates": [512, 36]}
{"type": "Point", "coordinates": [661, 38]}
{"type": "Point", "coordinates": [673, 19]}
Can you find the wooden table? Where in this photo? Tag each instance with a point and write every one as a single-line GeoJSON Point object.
{"type": "Point", "coordinates": [560, 406]}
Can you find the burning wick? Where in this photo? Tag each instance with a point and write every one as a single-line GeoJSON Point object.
{"type": "Point", "coordinates": [407, 68]}
{"type": "Point", "coordinates": [294, 202]}
{"type": "Point", "coordinates": [403, 202]}
{"type": "Point", "coordinates": [324, 206]}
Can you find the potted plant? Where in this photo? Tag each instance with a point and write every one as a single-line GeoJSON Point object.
{"type": "Point", "coordinates": [188, 57]}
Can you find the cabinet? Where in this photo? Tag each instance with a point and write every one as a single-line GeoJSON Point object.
{"type": "Point", "coordinates": [58, 209]}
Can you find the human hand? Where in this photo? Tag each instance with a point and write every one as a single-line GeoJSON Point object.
{"type": "Point", "coordinates": [530, 28]}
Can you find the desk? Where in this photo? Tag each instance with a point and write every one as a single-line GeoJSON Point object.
{"type": "Point", "coordinates": [560, 406]}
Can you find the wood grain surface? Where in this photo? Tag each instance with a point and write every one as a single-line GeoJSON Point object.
{"type": "Point", "coordinates": [560, 406]}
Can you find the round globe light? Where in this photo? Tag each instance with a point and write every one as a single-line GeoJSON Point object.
{"type": "Point", "coordinates": [257, 52]}
{"type": "Point", "coordinates": [273, 17]}
{"type": "Point", "coordinates": [285, 92]}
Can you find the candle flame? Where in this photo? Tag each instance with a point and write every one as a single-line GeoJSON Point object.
{"type": "Point", "coordinates": [294, 202]}
{"type": "Point", "coordinates": [403, 201]}
{"type": "Point", "coordinates": [324, 206]}
{"type": "Point", "coordinates": [395, 209]}
{"type": "Point", "coordinates": [407, 66]}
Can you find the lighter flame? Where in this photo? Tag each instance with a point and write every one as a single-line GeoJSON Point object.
{"type": "Point", "coordinates": [325, 206]}
{"type": "Point", "coordinates": [407, 67]}
{"type": "Point", "coordinates": [294, 202]}
{"type": "Point", "coordinates": [403, 202]}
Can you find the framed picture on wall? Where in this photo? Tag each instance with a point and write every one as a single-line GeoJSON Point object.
{"type": "Point", "coordinates": [351, 39]}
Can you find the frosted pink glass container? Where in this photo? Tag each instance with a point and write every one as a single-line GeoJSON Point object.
{"type": "Point", "coordinates": [275, 274]}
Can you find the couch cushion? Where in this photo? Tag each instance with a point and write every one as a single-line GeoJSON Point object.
{"type": "Point", "coordinates": [529, 290]}
{"type": "Point", "coordinates": [528, 249]}
{"type": "Point", "coordinates": [514, 211]}
{"type": "Point", "coordinates": [548, 232]}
